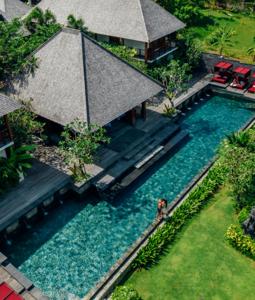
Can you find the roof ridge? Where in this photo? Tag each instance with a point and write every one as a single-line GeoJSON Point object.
{"type": "Point", "coordinates": [121, 59]}
{"type": "Point", "coordinates": [146, 31]}
{"type": "Point", "coordinates": [83, 58]}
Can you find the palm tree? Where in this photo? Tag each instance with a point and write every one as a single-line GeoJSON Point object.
{"type": "Point", "coordinates": [76, 23]}
{"type": "Point", "coordinates": [221, 38]}
{"type": "Point", "coordinates": [39, 18]}
{"type": "Point", "coordinates": [251, 51]}
{"type": "Point", "coordinates": [239, 139]}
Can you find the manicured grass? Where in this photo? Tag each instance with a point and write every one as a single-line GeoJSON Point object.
{"type": "Point", "coordinates": [243, 25]}
{"type": "Point", "coordinates": [201, 264]}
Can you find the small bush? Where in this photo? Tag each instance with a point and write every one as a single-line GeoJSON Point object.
{"type": "Point", "coordinates": [125, 292]}
{"type": "Point", "coordinates": [243, 215]}
{"type": "Point", "coordinates": [242, 242]}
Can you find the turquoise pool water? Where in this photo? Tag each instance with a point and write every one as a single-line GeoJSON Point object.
{"type": "Point", "coordinates": [71, 249]}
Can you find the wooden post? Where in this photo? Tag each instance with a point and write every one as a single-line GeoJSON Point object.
{"type": "Point", "coordinates": [8, 127]}
{"type": "Point", "coordinates": [143, 111]}
{"type": "Point", "coordinates": [146, 52]}
{"type": "Point", "coordinates": [132, 116]}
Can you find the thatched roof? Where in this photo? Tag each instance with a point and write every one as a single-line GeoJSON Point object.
{"type": "Point", "coordinates": [139, 20]}
{"type": "Point", "coordinates": [77, 78]}
{"type": "Point", "coordinates": [7, 105]}
{"type": "Point", "coordinates": [11, 9]}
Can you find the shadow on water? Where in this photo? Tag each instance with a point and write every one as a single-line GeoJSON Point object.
{"type": "Point", "coordinates": [26, 242]}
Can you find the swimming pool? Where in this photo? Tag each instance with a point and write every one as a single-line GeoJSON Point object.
{"type": "Point", "coordinates": [78, 243]}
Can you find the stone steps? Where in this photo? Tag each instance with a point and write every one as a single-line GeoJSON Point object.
{"type": "Point", "coordinates": [141, 158]}
{"type": "Point", "coordinates": [170, 146]}
{"type": "Point", "coordinates": [139, 147]}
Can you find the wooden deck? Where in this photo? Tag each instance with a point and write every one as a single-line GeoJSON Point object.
{"type": "Point", "coordinates": [41, 182]}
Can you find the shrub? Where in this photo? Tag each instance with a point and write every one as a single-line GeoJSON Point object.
{"type": "Point", "coordinates": [25, 125]}
{"type": "Point", "coordinates": [125, 292]}
{"type": "Point", "coordinates": [243, 215]}
{"type": "Point", "coordinates": [242, 242]}
{"type": "Point", "coordinates": [165, 235]}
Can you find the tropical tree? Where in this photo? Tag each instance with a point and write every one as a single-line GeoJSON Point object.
{"type": "Point", "coordinates": [76, 23]}
{"type": "Point", "coordinates": [38, 18]}
{"type": "Point", "coordinates": [16, 45]}
{"type": "Point", "coordinates": [78, 146]}
{"type": "Point", "coordinates": [221, 38]}
{"type": "Point", "coordinates": [17, 162]}
{"type": "Point", "coordinates": [237, 154]}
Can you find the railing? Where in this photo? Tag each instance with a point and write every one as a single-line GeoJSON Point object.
{"type": "Point", "coordinates": [161, 50]}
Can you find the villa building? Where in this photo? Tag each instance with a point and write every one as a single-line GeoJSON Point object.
{"type": "Point", "coordinates": [7, 106]}
{"type": "Point", "coordinates": [139, 24]}
{"type": "Point", "coordinates": [10, 9]}
{"type": "Point", "coordinates": [77, 78]}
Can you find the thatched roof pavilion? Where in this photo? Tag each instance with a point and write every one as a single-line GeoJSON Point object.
{"type": "Point", "coordinates": [77, 78]}
{"type": "Point", "coordinates": [10, 9]}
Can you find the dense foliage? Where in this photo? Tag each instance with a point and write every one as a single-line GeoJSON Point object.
{"type": "Point", "coordinates": [25, 126]}
{"type": "Point", "coordinates": [238, 155]}
{"type": "Point", "coordinates": [242, 242]}
{"type": "Point", "coordinates": [157, 243]}
{"type": "Point", "coordinates": [125, 292]}
{"type": "Point", "coordinates": [18, 39]}
{"type": "Point", "coordinates": [127, 54]}
{"type": "Point", "coordinates": [189, 11]}
{"type": "Point", "coordinates": [221, 38]}
{"type": "Point", "coordinates": [78, 146]}
{"type": "Point", "coordinates": [12, 167]}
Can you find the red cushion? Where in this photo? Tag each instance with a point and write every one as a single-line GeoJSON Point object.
{"type": "Point", "coordinates": [5, 291]}
{"type": "Point", "coordinates": [252, 89]}
{"type": "Point", "coordinates": [219, 79]}
{"type": "Point", "coordinates": [14, 296]}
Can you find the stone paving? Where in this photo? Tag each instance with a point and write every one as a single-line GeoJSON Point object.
{"type": "Point", "coordinates": [18, 282]}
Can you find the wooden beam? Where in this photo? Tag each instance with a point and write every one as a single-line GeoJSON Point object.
{"type": "Point", "coordinates": [146, 52]}
{"type": "Point", "coordinates": [143, 111]}
{"type": "Point", "coordinates": [132, 116]}
{"type": "Point", "coordinates": [8, 127]}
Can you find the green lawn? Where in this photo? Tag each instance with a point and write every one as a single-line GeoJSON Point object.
{"type": "Point", "coordinates": [201, 264]}
{"type": "Point", "coordinates": [243, 25]}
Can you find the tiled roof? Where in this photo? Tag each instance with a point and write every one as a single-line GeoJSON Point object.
{"type": "Point", "coordinates": [7, 105]}
{"type": "Point", "coordinates": [77, 78]}
{"type": "Point", "coordinates": [139, 20]}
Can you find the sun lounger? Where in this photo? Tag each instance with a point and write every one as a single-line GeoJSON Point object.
{"type": "Point", "coordinates": [7, 293]}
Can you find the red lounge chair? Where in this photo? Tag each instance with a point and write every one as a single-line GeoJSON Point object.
{"type": "Point", "coordinates": [241, 75]}
{"type": "Point", "coordinates": [5, 291]}
{"type": "Point", "coordinates": [222, 72]}
{"type": "Point", "coordinates": [252, 88]}
{"type": "Point", "coordinates": [14, 296]}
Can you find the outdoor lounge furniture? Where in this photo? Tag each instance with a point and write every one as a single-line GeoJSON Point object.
{"type": "Point", "coordinates": [7, 293]}
{"type": "Point", "coordinates": [241, 75]}
{"type": "Point", "coordinates": [251, 89]}
{"type": "Point", "coordinates": [222, 72]}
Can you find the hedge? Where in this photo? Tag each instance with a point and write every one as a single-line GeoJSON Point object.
{"type": "Point", "coordinates": [242, 242]}
{"type": "Point", "coordinates": [165, 235]}
{"type": "Point", "coordinates": [125, 292]}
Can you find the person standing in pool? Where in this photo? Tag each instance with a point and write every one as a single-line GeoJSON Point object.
{"type": "Point", "coordinates": [160, 209]}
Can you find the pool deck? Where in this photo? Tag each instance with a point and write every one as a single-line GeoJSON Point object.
{"type": "Point", "coordinates": [18, 282]}
{"type": "Point", "coordinates": [40, 183]}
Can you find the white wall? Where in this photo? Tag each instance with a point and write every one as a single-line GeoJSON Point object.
{"type": "Point", "coordinates": [140, 46]}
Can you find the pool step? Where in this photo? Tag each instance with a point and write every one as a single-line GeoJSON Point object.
{"type": "Point", "coordinates": [149, 157]}
{"type": "Point", "coordinates": [105, 157]}
{"type": "Point", "coordinates": [170, 146]}
{"type": "Point", "coordinates": [142, 160]}
{"type": "Point", "coordinates": [138, 148]}
{"type": "Point", "coordinates": [166, 133]}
